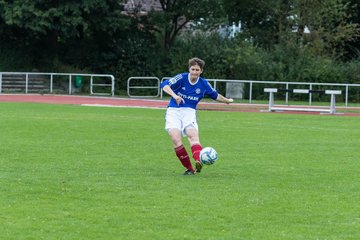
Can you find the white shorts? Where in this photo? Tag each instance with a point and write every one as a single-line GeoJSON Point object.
{"type": "Point", "coordinates": [180, 118]}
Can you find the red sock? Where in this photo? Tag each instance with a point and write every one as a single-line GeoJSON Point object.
{"type": "Point", "coordinates": [183, 156]}
{"type": "Point", "coordinates": [196, 148]}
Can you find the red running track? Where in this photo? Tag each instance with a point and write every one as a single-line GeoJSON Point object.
{"type": "Point", "coordinates": [132, 102]}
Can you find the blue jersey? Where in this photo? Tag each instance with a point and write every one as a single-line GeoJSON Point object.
{"type": "Point", "coordinates": [192, 93]}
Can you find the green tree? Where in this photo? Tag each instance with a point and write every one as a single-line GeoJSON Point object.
{"type": "Point", "coordinates": [330, 25]}
{"type": "Point", "coordinates": [175, 15]}
{"type": "Point", "coordinates": [283, 22]}
{"type": "Point", "coordinates": [73, 31]}
{"type": "Point", "coordinates": [353, 47]}
{"type": "Point", "coordinates": [265, 21]}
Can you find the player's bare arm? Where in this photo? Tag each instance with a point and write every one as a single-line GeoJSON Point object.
{"type": "Point", "coordinates": [169, 91]}
{"type": "Point", "coordinates": [223, 99]}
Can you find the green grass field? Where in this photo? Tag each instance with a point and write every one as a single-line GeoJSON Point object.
{"type": "Point", "coordinates": [72, 172]}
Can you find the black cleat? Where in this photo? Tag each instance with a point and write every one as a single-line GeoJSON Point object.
{"type": "Point", "coordinates": [198, 166]}
{"type": "Point", "coordinates": [189, 172]}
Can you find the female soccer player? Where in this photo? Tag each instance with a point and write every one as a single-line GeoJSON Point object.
{"type": "Point", "coordinates": [186, 91]}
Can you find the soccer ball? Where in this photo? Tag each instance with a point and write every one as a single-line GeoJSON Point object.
{"type": "Point", "coordinates": [208, 156]}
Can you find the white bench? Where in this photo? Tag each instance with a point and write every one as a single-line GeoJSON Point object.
{"type": "Point", "coordinates": [330, 110]}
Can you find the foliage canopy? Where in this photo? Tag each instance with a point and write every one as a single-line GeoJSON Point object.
{"type": "Point", "coordinates": [104, 36]}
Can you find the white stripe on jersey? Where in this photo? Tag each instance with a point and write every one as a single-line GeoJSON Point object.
{"type": "Point", "coordinates": [210, 86]}
{"type": "Point", "coordinates": [175, 79]}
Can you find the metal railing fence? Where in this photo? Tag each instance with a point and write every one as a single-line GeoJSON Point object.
{"type": "Point", "coordinates": [50, 77]}
{"type": "Point", "coordinates": [152, 83]}
{"type": "Point", "coordinates": [254, 83]}
{"type": "Point", "coordinates": [287, 85]}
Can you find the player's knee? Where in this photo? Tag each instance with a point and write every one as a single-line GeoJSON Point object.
{"type": "Point", "coordinates": [193, 139]}
{"type": "Point", "coordinates": [177, 141]}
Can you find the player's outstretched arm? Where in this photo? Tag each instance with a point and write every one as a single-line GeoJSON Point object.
{"type": "Point", "coordinates": [223, 99]}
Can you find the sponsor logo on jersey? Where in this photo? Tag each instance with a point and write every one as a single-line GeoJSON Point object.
{"type": "Point", "coordinates": [188, 97]}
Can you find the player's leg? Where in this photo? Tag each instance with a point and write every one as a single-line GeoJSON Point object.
{"type": "Point", "coordinates": [180, 151]}
{"type": "Point", "coordinates": [191, 130]}
{"type": "Point", "coordinates": [193, 137]}
{"type": "Point", "coordinates": [174, 128]}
